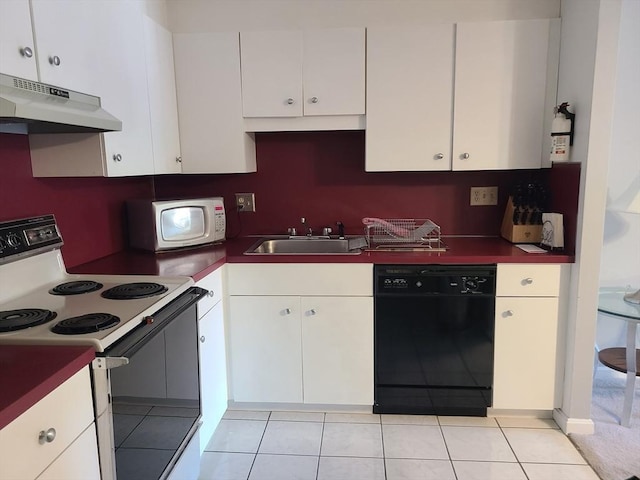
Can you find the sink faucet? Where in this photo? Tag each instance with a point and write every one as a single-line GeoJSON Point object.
{"type": "Point", "coordinates": [340, 229]}
{"type": "Point", "coordinates": [308, 230]}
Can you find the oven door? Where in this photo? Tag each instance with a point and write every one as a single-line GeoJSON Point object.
{"type": "Point", "coordinates": [154, 392]}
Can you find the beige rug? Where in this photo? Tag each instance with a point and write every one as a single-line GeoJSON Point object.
{"type": "Point", "coordinates": [613, 451]}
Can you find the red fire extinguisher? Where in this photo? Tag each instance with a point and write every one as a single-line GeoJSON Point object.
{"type": "Point", "coordinates": [561, 133]}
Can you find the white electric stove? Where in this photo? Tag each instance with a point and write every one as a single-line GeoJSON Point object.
{"type": "Point", "coordinates": [143, 329]}
{"type": "Point", "coordinates": [41, 303]}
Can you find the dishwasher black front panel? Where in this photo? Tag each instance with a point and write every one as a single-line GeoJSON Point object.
{"type": "Point", "coordinates": [434, 330]}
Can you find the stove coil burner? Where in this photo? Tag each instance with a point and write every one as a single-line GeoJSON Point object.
{"type": "Point", "coordinates": [89, 323]}
{"type": "Point", "coordinates": [76, 287]}
{"type": "Point", "coordinates": [128, 291]}
{"type": "Point", "coordinates": [12, 320]}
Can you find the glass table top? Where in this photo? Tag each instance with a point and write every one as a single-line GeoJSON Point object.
{"type": "Point", "coordinates": [610, 300]}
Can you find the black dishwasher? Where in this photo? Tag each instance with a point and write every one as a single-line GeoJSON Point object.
{"type": "Point", "coordinates": [434, 330]}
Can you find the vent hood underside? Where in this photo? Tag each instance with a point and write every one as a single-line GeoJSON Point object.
{"type": "Point", "coordinates": [31, 107]}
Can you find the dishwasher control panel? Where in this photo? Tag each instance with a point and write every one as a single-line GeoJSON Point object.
{"type": "Point", "coordinates": [435, 280]}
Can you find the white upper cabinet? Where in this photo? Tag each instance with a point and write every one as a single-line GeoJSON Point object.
{"type": "Point", "coordinates": [17, 48]}
{"type": "Point", "coordinates": [271, 74]}
{"type": "Point", "coordinates": [334, 72]}
{"type": "Point", "coordinates": [212, 134]}
{"type": "Point", "coordinates": [163, 107]}
{"type": "Point", "coordinates": [100, 55]}
{"type": "Point", "coordinates": [295, 73]}
{"type": "Point", "coordinates": [500, 94]}
{"type": "Point", "coordinates": [480, 100]}
{"type": "Point", "coordinates": [409, 93]}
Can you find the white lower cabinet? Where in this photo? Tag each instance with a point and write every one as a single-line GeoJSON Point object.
{"type": "Point", "coordinates": [525, 353]}
{"type": "Point", "coordinates": [266, 355]}
{"type": "Point", "coordinates": [337, 350]}
{"type": "Point", "coordinates": [528, 327]}
{"type": "Point", "coordinates": [307, 339]}
{"type": "Point", "coordinates": [70, 449]}
{"type": "Point", "coordinates": [212, 356]}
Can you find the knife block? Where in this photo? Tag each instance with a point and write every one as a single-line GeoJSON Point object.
{"type": "Point", "coordinates": [518, 233]}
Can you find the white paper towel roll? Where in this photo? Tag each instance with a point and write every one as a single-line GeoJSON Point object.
{"type": "Point", "coordinates": [552, 230]}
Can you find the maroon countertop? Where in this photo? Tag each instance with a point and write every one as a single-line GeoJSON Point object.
{"type": "Point", "coordinates": [30, 372]}
{"type": "Point", "coordinates": [199, 262]}
{"type": "Point", "coordinates": [26, 377]}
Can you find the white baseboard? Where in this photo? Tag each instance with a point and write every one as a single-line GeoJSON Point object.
{"type": "Point", "coordinates": [573, 425]}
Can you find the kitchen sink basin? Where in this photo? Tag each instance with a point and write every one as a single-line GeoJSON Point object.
{"type": "Point", "coordinates": [307, 246]}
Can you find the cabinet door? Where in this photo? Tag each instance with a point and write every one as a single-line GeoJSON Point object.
{"type": "Point", "coordinates": [333, 71]}
{"type": "Point", "coordinates": [16, 35]}
{"type": "Point", "coordinates": [337, 350]}
{"type": "Point", "coordinates": [212, 136]}
{"type": "Point", "coordinates": [68, 410]}
{"type": "Point", "coordinates": [163, 107]}
{"type": "Point", "coordinates": [100, 55]}
{"type": "Point", "coordinates": [409, 95]}
{"type": "Point", "coordinates": [213, 372]}
{"type": "Point", "coordinates": [500, 93]}
{"type": "Point", "coordinates": [525, 353]}
{"type": "Point", "coordinates": [271, 74]}
{"type": "Point", "coordinates": [266, 357]}
{"type": "Point", "coordinates": [78, 462]}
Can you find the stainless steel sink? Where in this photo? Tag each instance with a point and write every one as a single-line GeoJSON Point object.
{"type": "Point", "coordinates": [306, 246]}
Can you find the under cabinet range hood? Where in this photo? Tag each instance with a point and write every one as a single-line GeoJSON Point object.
{"type": "Point", "coordinates": [31, 107]}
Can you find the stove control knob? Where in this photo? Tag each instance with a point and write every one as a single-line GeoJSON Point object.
{"type": "Point", "coordinates": [418, 284]}
{"type": "Point", "coordinates": [3, 243]}
{"type": "Point", "coordinates": [13, 240]}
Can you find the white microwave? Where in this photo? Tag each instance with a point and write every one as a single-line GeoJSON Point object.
{"type": "Point", "coordinates": [158, 225]}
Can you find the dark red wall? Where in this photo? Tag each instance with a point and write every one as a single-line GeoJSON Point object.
{"type": "Point", "coordinates": [318, 175]}
{"type": "Point", "coordinates": [89, 211]}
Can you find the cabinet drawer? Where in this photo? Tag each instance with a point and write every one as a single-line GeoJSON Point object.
{"type": "Point", "coordinates": [335, 279]}
{"type": "Point", "coordinates": [528, 280]}
{"type": "Point", "coordinates": [68, 409]}
{"type": "Point", "coordinates": [213, 283]}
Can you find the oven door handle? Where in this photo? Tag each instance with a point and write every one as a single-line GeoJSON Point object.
{"type": "Point", "coordinates": [118, 354]}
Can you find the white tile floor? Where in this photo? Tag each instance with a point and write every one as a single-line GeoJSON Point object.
{"type": "Point", "coordinates": [251, 445]}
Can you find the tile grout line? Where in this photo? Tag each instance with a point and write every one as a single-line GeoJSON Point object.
{"type": "Point", "coordinates": [384, 454]}
{"type": "Point", "coordinates": [446, 446]}
{"type": "Point", "coordinates": [255, 456]}
{"type": "Point", "coordinates": [324, 420]}
{"type": "Point", "coordinates": [512, 450]}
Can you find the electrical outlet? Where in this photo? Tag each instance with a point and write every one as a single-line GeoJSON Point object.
{"type": "Point", "coordinates": [246, 202]}
{"type": "Point", "coordinates": [484, 196]}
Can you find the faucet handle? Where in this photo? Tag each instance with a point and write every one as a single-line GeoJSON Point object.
{"type": "Point", "coordinates": [292, 231]}
{"type": "Point", "coordinates": [326, 231]}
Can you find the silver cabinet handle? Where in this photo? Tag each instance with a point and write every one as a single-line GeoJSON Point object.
{"type": "Point", "coordinates": [527, 281]}
{"type": "Point", "coordinates": [314, 99]}
{"type": "Point", "coordinates": [117, 157]}
{"type": "Point", "coordinates": [287, 311]}
{"type": "Point", "coordinates": [202, 339]}
{"type": "Point", "coordinates": [507, 313]}
{"type": "Point", "coordinates": [465, 156]}
{"type": "Point", "coordinates": [47, 437]}
{"type": "Point", "coordinates": [439, 156]}
{"type": "Point", "coordinates": [290, 101]}
{"type": "Point", "coordinates": [55, 60]}
{"type": "Point", "coordinates": [26, 52]}
{"type": "Point", "coordinates": [179, 159]}
{"type": "Point", "coordinates": [211, 293]}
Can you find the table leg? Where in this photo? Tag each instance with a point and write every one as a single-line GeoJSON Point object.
{"type": "Point", "coordinates": [625, 419]}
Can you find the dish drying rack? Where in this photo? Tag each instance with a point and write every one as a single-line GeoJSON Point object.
{"type": "Point", "coordinates": [402, 233]}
